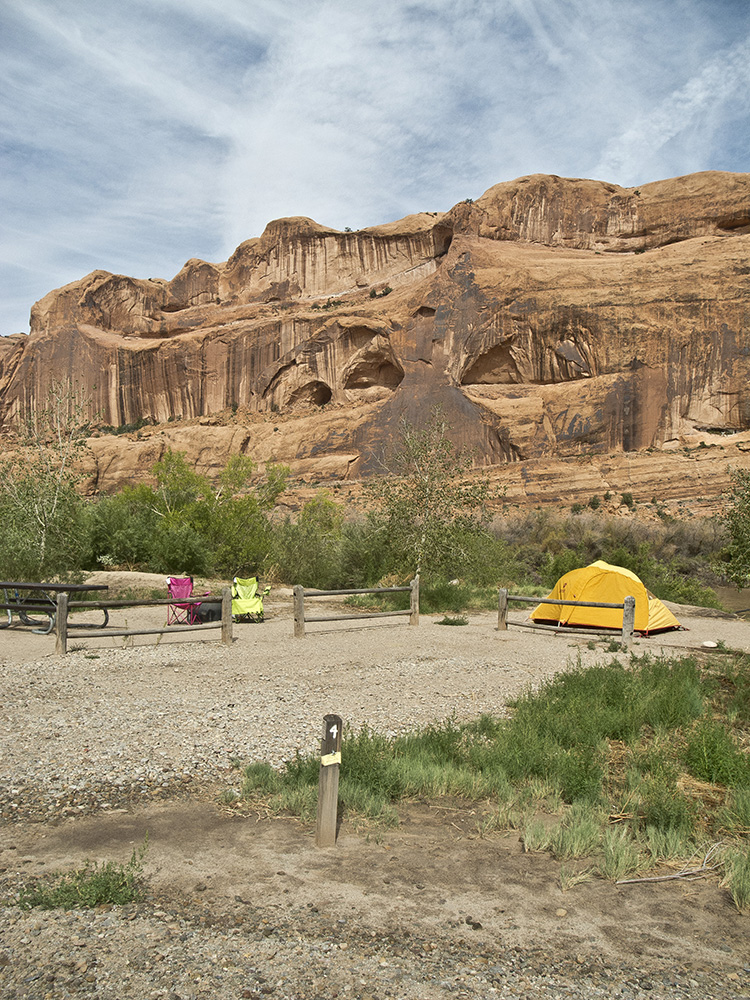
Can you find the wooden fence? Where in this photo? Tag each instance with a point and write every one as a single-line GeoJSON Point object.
{"type": "Point", "coordinates": [628, 613]}
{"type": "Point", "coordinates": [300, 619]}
{"type": "Point", "coordinates": [61, 619]}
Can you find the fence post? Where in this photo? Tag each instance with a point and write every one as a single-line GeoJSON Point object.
{"type": "Point", "coordinates": [628, 620]}
{"type": "Point", "coordinates": [502, 610]}
{"type": "Point", "coordinates": [328, 782]}
{"type": "Point", "coordinates": [299, 612]}
{"type": "Point", "coordinates": [61, 625]}
{"type": "Point", "coordinates": [414, 601]}
{"type": "Point", "coordinates": [226, 616]}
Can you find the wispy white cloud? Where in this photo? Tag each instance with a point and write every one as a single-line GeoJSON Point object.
{"type": "Point", "coordinates": [137, 133]}
{"type": "Point", "coordinates": [718, 92]}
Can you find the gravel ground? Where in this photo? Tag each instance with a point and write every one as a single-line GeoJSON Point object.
{"type": "Point", "coordinates": [107, 730]}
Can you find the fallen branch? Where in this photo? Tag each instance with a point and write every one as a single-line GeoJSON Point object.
{"type": "Point", "coordinates": [689, 874]}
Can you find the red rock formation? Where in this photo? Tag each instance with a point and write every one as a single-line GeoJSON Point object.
{"type": "Point", "coordinates": [551, 317]}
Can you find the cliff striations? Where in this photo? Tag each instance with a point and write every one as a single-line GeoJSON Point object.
{"type": "Point", "coordinates": [551, 319]}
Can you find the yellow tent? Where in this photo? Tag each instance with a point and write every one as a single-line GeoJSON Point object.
{"type": "Point", "coordinates": [609, 585]}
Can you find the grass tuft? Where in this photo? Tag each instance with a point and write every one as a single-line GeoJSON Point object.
{"type": "Point", "coordinates": [621, 856]}
{"type": "Point", "coordinates": [737, 875]}
{"type": "Point", "coordinates": [453, 620]}
{"type": "Point", "coordinates": [579, 833]}
{"type": "Point", "coordinates": [734, 816]}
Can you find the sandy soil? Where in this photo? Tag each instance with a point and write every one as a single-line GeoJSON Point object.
{"type": "Point", "coordinates": [437, 877]}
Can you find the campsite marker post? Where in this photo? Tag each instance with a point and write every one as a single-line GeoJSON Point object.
{"type": "Point", "coordinates": [628, 620]}
{"type": "Point", "coordinates": [502, 610]}
{"type": "Point", "coordinates": [328, 781]}
{"type": "Point", "coordinates": [299, 612]}
{"type": "Point", "coordinates": [61, 622]}
{"type": "Point", "coordinates": [414, 601]}
{"type": "Point", "coordinates": [226, 616]}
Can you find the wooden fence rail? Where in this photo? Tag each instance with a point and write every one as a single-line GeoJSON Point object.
{"type": "Point", "coordinates": [300, 619]}
{"type": "Point", "coordinates": [61, 619]}
{"type": "Point", "coordinates": [628, 611]}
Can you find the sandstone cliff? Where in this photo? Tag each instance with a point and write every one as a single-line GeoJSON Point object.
{"type": "Point", "coordinates": [550, 319]}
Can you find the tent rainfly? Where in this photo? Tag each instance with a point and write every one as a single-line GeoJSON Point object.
{"type": "Point", "coordinates": [607, 584]}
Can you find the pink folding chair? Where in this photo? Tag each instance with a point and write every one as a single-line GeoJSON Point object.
{"type": "Point", "coordinates": [182, 612]}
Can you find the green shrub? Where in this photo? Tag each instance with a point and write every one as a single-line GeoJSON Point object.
{"type": "Point", "coordinates": [736, 519]}
{"type": "Point", "coordinates": [88, 886]}
{"type": "Point", "coordinates": [370, 759]}
{"type": "Point", "coordinates": [307, 551]}
{"type": "Point", "coordinates": [663, 807]}
{"type": "Point", "coordinates": [712, 754]}
{"type": "Point", "coordinates": [123, 527]}
{"type": "Point", "coordinates": [735, 814]}
{"type": "Point", "coordinates": [668, 580]}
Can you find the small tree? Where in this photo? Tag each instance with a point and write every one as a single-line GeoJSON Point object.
{"type": "Point", "coordinates": [44, 518]}
{"type": "Point", "coordinates": [736, 518]}
{"type": "Point", "coordinates": [240, 529]}
{"type": "Point", "coordinates": [307, 550]}
{"type": "Point", "coordinates": [430, 512]}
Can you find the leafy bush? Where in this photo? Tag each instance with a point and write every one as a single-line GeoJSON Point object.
{"type": "Point", "coordinates": [188, 524]}
{"type": "Point", "coordinates": [736, 518]}
{"type": "Point", "coordinates": [307, 551]}
{"type": "Point", "coordinates": [123, 527]}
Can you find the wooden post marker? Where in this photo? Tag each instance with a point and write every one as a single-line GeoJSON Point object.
{"type": "Point", "coordinates": [226, 616]}
{"type": "Point", "coordinates": [628, 620]}
{"type": "Point", "coordinates": [61, 625]}
{"type": "Point", "coordinates": [414, 601]}
{"type": "Point", "coordinates": [299, 612]}
{"type": "Point", "coordinates": [502, 610]}
{"type": "Point", "coordinates": [328, 782]}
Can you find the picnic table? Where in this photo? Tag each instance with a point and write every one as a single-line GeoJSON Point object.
{"type": "Point", "coordinates": [28, 599]}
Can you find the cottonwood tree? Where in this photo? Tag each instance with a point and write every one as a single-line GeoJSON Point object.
{"type": "Point", "coordinates": [431, 512]}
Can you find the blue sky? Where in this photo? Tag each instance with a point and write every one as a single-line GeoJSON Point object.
{"type": "Point", "coordinates": [136, 134]}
